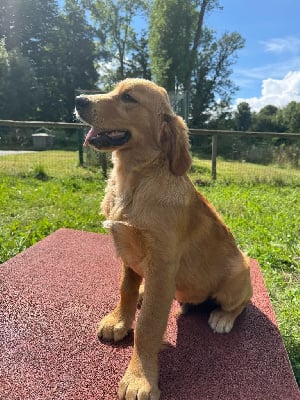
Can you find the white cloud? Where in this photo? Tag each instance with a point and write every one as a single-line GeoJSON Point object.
{"type": "Point", "coordinates": [289, 44]}
{"type": "Point", "coordinates": [278, 92]}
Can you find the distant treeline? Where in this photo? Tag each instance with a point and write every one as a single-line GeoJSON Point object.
{"type": "Point", "coordinates": [278, 150]}
{"type": "Point", "coordinates": [49, 52]}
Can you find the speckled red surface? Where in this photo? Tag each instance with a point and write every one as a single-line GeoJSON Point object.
{"type": "Point", "coordinates": [52, 296]}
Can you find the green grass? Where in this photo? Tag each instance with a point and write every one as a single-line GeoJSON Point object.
{"type": "Point", "coordinates": [246, 173]}
{"type": "Point", "coordinates": [41, 192]}
{"type": "Point", "coordinates": [265, 221]}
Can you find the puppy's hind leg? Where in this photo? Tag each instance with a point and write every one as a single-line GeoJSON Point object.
{"type": "Point", "coordinates": [222, 321]}
{"type": "Point", "coordinates": [233, 298]}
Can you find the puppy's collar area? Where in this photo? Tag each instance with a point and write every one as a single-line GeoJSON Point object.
{"type": "Point", "coordinates": [100, 138]}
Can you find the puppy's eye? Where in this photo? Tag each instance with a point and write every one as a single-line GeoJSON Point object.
{"type": "Point", "coordinates": [127, 98]}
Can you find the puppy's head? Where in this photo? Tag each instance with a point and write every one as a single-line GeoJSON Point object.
{"type": "Point", "coordinates": [136, 115]}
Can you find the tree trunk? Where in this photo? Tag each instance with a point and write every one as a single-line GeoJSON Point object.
{"type": "Point", "coordinates": [196, 42]}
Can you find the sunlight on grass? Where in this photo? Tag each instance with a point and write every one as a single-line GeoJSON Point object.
{"type": "Point", "coordinates": [56, 163]}
{"type": "Point", "coordinates": [64, 163]}
{"type": "Point", "coordinates": [243, 172]}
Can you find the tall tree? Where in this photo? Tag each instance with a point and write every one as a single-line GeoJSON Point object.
{"type": "Point", "coordinates": [31, 29]}
{"type": "Point", "coordinates": [243, 117]}
{"type": "Point", "coordinates": [187, 56]}
{"type": "Point", "coordinates": [211, 86]}
{"type": "Point", "coordinates": [267, 120]}
{"type": "Point", "coordinates": [290, 117]}
{"type": "Point", "coordinates": [114, 27]}
{"type": "Point", "coordinates": [77, 56]}
{"type": "Point", "coordinates": [172, 26]}
{"type": "Point", "coordinates": [9, 23]}
{"type": "Point", "coordinates": [17, 85]}
{"type": "Point", "coordinates": [54, 48]}
{"type": "Point", "coordinates": [138, 63]}
{"type": "Point", "coordinates": [176, 29]}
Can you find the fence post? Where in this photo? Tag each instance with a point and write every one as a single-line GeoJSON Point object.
{"type": "Point", "coordinates": [103, 163]}
{"type": "Point", "coordinates": [80, 146]}
{"type": "Point", "coordinates": [214, 146]}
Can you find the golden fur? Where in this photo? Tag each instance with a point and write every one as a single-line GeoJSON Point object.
{"type": "Point", "coordinates": [165, 231]}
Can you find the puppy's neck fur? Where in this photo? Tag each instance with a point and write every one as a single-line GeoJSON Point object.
{"type": "Point", "coordinates": [134, 177]}
{"type": "Point", "coordinates": [131, 167]}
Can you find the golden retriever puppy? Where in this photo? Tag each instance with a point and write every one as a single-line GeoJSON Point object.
{"type": "Point", "coordinates": [164, 230]}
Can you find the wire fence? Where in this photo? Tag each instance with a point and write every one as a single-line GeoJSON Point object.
{"type": "Point", "coordinates": [217, 155]}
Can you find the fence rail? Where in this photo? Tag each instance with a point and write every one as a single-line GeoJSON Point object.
{"type": "Point", "coordinates": [214, 143]}
{"type": "Point", "coordinates": [194, 132]}
{"type": "Point", "coordinates": [48, 124]}
{"type": "Point", "coordinates": [40, 124]}
{"type": "Point", "coordinates": [211, 132]}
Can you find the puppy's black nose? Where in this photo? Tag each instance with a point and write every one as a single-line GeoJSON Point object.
{"type": "Point", "coordinates": [81, 102]}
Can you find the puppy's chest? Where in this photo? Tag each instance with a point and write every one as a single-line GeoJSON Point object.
{"type": "Point", "coordinates": [128, 204]}
{"type": "Point", "coordinates": [120, 207]}
{"type": "Point", "coordinates": [130, 244]}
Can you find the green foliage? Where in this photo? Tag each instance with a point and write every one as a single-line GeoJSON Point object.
{"type": "Point", "coordinates": [77, 56]}
{"type": "Point", "coordinates": [186, 56]}
{"type": "Point", "coordinates": [118, 38]}
{"type": "Point", "coordinates": [212, 88]}
{"type": "Point", "coordinates": [268, 119]}
{"type": "Point", "coordinates": [50, 54]}
{"type": "Point", "coordinates": [172, 27]}
{"type": "Point", "coordinates": [243, 117]}
{"type": "Point", "coordinates": [138, 65]}
{"type": "Point", "coordinates": [17, 84]}
{"type": "Point", "coordinates": [290, 117]}
{"type": "Point", "coordinates": [281, 150]}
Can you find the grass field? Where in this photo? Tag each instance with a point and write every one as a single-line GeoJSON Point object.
{"type": "Point", "coordinates": [41, 192]}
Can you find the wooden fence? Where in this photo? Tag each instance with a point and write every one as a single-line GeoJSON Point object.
{"type": "Point", "coordinates": [194, 132]}
{"type": "Point", "coordinates": [54, 125]}
{"type": "Point", "coordinates": [214, 143]}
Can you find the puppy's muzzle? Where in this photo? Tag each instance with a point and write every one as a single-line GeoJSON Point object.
{"type": "Point", "coordinates": [99, 138]}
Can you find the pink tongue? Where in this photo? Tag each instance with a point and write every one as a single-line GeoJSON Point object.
{"type": "Point", "coordinates": [92, 132]}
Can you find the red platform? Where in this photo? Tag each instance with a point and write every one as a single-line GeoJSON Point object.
{"type": "Point", "coordinates": [54, 293]}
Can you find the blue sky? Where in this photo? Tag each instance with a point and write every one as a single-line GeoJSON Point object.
{"type": "Point", "coordinates": [268, 68]}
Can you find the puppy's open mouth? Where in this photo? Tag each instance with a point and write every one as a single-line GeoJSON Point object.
{"type": "Point", "coordinates": [103, 138]}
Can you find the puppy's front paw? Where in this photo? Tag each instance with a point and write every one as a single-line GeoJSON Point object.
{"type": "Point", "coordinates": [136, 386]}
{"type": "Point", "coordinates": [112, 327]}
{"type": "Point", "coordinates": [221, 321]}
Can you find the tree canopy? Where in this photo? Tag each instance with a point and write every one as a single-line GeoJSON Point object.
{"type": "Point", "coordinates": [121, 49]}
{"type": "Point", "coordinates": [50, 50]}
{"type": "Point", "coordinates": [268, 119]}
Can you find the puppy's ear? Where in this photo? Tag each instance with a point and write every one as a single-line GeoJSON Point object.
{"type": "Point", "coordinates": [175, 144]}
